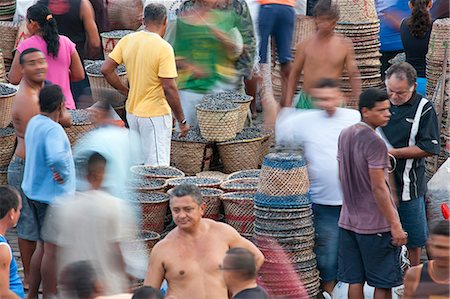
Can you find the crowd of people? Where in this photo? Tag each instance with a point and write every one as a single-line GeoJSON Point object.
{"type": "Point", "coordinates": [366, 167]}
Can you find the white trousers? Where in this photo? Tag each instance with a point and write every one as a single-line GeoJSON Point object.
{"type": "Point", "coordinates": [155, 135]}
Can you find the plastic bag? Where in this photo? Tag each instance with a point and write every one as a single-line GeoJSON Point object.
{"type": "Point", "coordinates": [438, 194]}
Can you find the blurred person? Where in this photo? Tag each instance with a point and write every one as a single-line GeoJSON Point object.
{"type": "Point", "coordinates": [324, 54]}
{"type": "Point", "coordinates": [276, 20]}
{"type": "Point", "coordinates": [432, 278]}
{"type": "Point", "coordinates": [371, 234]}
{"type": "Point", "coordinates": [147, 293]}
{"type": "Point", "coordinates": [318, 131]}
{"type": "Point", "coordinates": [10, 205]}
{"type": "Point", "coordinates": [390, 13]}
{"type": "Point", "coordinates": [153, 93]}
{"type": "Point", "coordinates": [411, 134]}
{"type": "Point", "coordinates": [90, 225]}
{"type": "Point", "coordinates": [190, 255]}
{"type": "Point", "coordinates": [415, 32]}
{"type": "Point", "coordinates": [210, 66]}
{"type": "Point", "coordinates": [440, 9]}
{"type": "Point", "coordinates": [49, 172]}
{"type": "Point", "coordinates": [239, 273]}
{"type": "Point", "coordinates": [64, 64]}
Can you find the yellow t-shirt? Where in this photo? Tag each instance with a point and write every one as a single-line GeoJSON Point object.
{"type": "Point", "coordinates": [147, 58]}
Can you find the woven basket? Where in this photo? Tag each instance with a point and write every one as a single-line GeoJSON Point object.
{"type": "Point", "coordinates": [191, 157]}
{"type": "Point", "coordinates": [6, 103]}
{"type": "Point", "coordinates": [240, 155]}
{"type": "Point", "coordinates": [102, 90]}
{"type": "Point", "coordinates": [109, 43]}
{"type": "Point", "coordinates": [8, 33]}
{"type": "Point", "coordinates": [78, 130]}
{"type": "Point", "coordinates": [218, 125]}
{"type": "Point", "coordinates": [125, 14]}
{"type": "Point", "coordinates": [439, 39]}
{"type": "Point", "coordinates": [212, 174]}
{"type": "Point", "coordinates": [199, 182]}
{"type": "Point", "coordinates": [211, 196]}
{"type": "Point", "coordinates": [159, 172]}
{"type": "Point", "coordinates": [283, 214]}
{"type": "Point", "coordinates": [154, 185]}
{"type": "Point", "coordinates": [243, 112]}
{"type": "Point", "coordinates": [305, 26]}
{"type": "Point", "coordinates": [146, 238]}
{"type": "Point", "coordinates": [240, 185]}
{"type": "Point", "coordinates": [7, 146]}
{"type": "Point", "coordinates": [3, 176]}
{"type": "Point", "coordinates": [239, 211]}
{"type": "Point", "coordinates": [2, 68]}
{"type": "Point", "coordinates": [277, 225]}
{"type": "Point", "coordinates": [241, 174]}
{"type": "Point", "coordinates": [357, 11]}
{"type": "Point", "coordinates": [153, 210]}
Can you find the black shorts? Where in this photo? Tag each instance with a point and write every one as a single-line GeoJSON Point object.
{"type": "Point", "coordinates": [369, 258]}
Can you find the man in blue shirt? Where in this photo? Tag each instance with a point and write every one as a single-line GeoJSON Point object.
{"type": "Point", "coordinates": [49, 173]}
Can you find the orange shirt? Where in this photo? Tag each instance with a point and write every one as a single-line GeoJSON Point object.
{"type": "Point", "coordinates": [282, 2]}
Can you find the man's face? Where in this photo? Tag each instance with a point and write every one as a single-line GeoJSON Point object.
{"type": "Point", "coordinates": [398, 90]}
{"type": "Point", "coordinates": [327, 98]}
{"type": "Point", "coordinates": [439, 248]}
{"type": "Point", "coordinates": [16, 213]}
{"type": "Point", "coordinates": [186, 212]}
{"type": "Point", "coordinates": [325, 24]}
{"type": "Point", "coordinates": [34, 67]}
{"type": "Point", "coordinates": [379, 115]}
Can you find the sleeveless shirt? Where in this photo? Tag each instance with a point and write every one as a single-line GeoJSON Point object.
{"type": "Point", "coordinates": [15, 284]}
{"type": "Point", "coordinates": [428, 288]}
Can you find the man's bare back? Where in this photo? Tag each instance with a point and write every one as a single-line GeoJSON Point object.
{"type": "Point", "coordinates": [191, 264]}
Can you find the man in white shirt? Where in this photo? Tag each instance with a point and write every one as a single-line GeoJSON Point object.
{"type": "Point", "coordinates": [318, 131]}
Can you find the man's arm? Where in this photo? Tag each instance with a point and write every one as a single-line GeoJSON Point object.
{"type": "Point", "coordinates": [383, 199]}
{"type": "Point", "coordinates": [410, 152]}
{"type": "Point", "coordinates": [108, 70]}
{"type": "Point", "coordinates": [236, 240]}
{"type": "Point", "coordinates": [5, 261]}
{"type": "Point", "coordinates": [155, 273]}
{"type": "Point", "coordinates": [411, 281]}
{"type": "Point", "coordinates": [57, 157]}
{"type": "Point", "coordinates": [173, 98]}
{"type": "Point", "coordinates": [87, 15]}
{"type": "Point", "coordinates": [352, 70]}
{"type": "Point", "coordinates": [294, 76]}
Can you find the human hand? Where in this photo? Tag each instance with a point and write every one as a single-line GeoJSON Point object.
{"type": "Point", "coordinates": [197, 72]}
{"type": "Point", "coordinates": [184, 129]}
{"type": "Point", "coordinates": [399, 236]}
{"type": "Point", "coordinates": [57, 177]}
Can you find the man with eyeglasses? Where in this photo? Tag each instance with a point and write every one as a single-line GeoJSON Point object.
{"type": "Point", "coordinates": [411, 134]}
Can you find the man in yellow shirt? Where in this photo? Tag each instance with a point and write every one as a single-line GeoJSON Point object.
{"type": "Point", "coordinates": [151, 72]}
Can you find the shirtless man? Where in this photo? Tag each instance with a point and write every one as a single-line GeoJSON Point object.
{"type": "Point", "coordinates": [26, 105]}
{"type": "Point", "coordinates": [324, 55]}
{"type": "Point", "coordinates": [191, 255]}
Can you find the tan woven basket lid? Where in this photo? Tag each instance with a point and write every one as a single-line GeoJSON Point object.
{"type": "Point", "coordinates": [357, 11]}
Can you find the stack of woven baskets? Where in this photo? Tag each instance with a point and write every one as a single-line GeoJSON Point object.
{"type": "Point", "coordinates": [438, 87]}
{"type": "Point", "coordinates": [283, 213]}
{"type": "Point", "coordinates": [7, 10]}
{"type": "Point", "coordinates": [8, 34]}
{"type": "Point", "coordinates": [359, 22]}
{"type": "Point", "coordinates": [7, 95]}
{"type": "Point", "coordinates": [81, 124]}
{"type": "Point", "coordinates": [110, 39]}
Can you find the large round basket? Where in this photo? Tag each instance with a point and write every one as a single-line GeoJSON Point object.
{"type": "Point", "coordinates": [7, 145]}
{"type": "Point", "coordinates": [244, 105]}
{"type": "Point", "coordinates": [212, 174]}
{"type": "Point", "coordinates": [6, 102]}
{"type": "Point", "coordinates": [81, 124]}
{"type": "Point", "coordinates": [144, 243]}
{"type": "Point", "coordinates": [240, 185]}
{"type": "Point", "coordinates": [8, 33]}
{"type": "Point", "coordinates": [191, 157]}
{"type": "Point", "coordinates": [211, 196]}
{"type": "Point", "coordinates": [125, 14]}
{"type": "Point", "coordinates": [192, 180]}
{"type": "Point", "coordinates": [101, 89]}
{"type": "Point", "coordinates": [110, 39]}
{"type": "Point", "coordinates": [161, 172]}
{"type": "Point", "coordinates": [239, 211]}
{"type": "Point", "coordinates": [218, 125]}
{"type": "Point", "coordinates": [154, 207]}
{"type": "Point", "coordinates": [144, 185]}
{"type": "Point", "coordinates": [3, 175]}
{"type": "Point", "coordinates": [243, 174]}
{"type": "Point", "coordinates": [241, 154]}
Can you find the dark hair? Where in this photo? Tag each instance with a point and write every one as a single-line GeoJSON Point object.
{"type": "Point", "coordinates": [242, 261]}
{"type": "Point", "coordinates": [42, 15]}
{"type": "Point", "coordinates": [155, 13]}
{"type": "Point", "coordinates": [403, 71]}
{"type": "Point", "coordinates": [327, 83]}
{"type": "Point", "coordinates": [326, 8]}
{"type": "Point", "coordinates": [26, 52]}
{"type": "Point", "coordinates": [420, 21]}
{"type": "Point", "coordinates": [94, 162]}
{"type": "Point", "coordinates": [442, 228]}
{"type": "Point", "coordinates": [147, 292]}
{"type": "Point", "coordinates": [187, 190]}
{"type": "Point", "coordinates": [80, 279]}
{"type": "Point", "coordinates": [370, 97]}
{"type": "Point", "coordinates": [9, 199]}
{"type": "Point", "coordinates": [50, 98]}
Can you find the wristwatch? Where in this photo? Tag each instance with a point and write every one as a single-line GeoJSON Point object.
{"type": "Point", "coordinates": [183, 122]}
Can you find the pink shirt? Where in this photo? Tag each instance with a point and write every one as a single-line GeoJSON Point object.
{"type": "Point", "coordinates": [59, 66]}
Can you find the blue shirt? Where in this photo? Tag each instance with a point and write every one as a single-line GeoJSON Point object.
{"type": "Point", "coordinates": [389, 35]}
{"type": "Point", "coordinates": [15, 284]}
{"type": "Point", "coordinates": [47, 151]}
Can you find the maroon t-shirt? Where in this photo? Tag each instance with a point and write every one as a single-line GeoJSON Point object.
{"type": "Point", "coordinates": [359, 149]}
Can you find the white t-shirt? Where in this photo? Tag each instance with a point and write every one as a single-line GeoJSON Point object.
{"type": "Point", "coordinates": [318, 133]}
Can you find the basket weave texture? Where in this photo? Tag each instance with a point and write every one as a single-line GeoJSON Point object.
{"type": "Point", "coordinates": [7, 146]}
{"type": "Point", "coordinates": [77, 131]}
{"type": "Point", "coordinates": [218, 125]}
{"type": "Point", "coordinates": [154, 213]}
{"type": "Point", "coordinates": [6, 103]}
{"type": "Point", "coordinates": [239, 212]}
{"type": "Point", "coordinates": [191, 157]}
{"type": "Point", "coordinates": [8, 33]}
{"type": "Point", "coordinates": [213, 203]}
{"type": "Point", "coordinates": [102, 90]}
{"type": "Point", "coordinates": [241, 155]}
